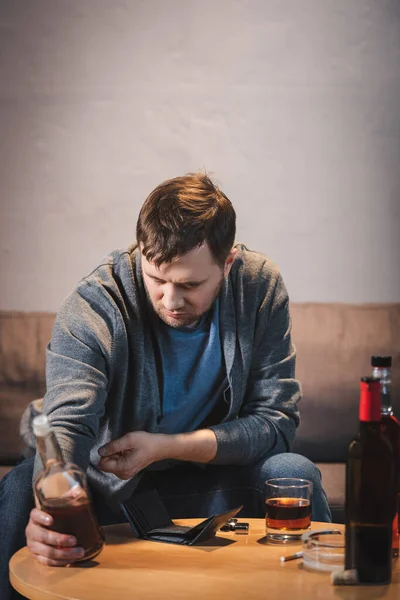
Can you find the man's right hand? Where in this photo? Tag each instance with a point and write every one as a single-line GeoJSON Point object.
{"type": "Point", "coordinates": [47, 546]}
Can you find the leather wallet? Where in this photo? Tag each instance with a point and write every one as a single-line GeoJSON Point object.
{"type": "Point", "coordinates": [149, 520]}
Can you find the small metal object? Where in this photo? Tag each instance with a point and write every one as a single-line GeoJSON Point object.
{"type": "Point", "coordinates": [233, 525]}
{"type": "Point", "coordinates": [241, 528]}
{"type": "Point", "coordinates": [229, 525]}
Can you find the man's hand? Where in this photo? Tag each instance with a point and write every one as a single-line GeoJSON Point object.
{"type": "Point", "coordinates": [49, 547]}
{"type": "Point", "coordinates": [133, 452]}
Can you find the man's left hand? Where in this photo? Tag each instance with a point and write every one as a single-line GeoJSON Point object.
{"type": "Point", "coordinates": [133, 452]}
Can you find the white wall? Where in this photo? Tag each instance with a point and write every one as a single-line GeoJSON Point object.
{"type": "Point", "coordinates": [294, 105]}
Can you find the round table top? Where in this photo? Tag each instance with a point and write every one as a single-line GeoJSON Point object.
{"type": "Point", "coordinates": [233, 565]}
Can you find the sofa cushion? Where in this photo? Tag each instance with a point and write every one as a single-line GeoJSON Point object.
{"type": "Point", "coordinates": [4, 471]}
{"type": "Point", "coordinates": [334, 483]}
{"type": "Point", "coordinates": [334, 344]}
{"type": "Point", "coordinates": [13, 401]}
{"type": "Point", "coordinates": [23, 340]}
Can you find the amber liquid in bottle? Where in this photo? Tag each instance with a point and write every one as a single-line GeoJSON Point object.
{"type": "Point", "coordinates": [390, 427]}
{"type": "Point", "coordinates": [370, 493]}
{"type": "Point", "coordinates": [76, 518]}
{"type": "Point", "coordinates": [60, 490]}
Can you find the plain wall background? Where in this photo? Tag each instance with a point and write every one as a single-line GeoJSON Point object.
{"type": "Point", "coordinates": [293, 105]}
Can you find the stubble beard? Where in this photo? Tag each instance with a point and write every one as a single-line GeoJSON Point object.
{"type": "Point", "coordinates": [189, 320]}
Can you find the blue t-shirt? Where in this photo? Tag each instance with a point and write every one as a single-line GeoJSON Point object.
{"type": "Point", "coordinates": [193, 372]}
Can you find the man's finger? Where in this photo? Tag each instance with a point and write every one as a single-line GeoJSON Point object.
{"type": "Point", "coordinates": [108, 464]}
{"type": "Point", "coordinates": [65, 555]}
{"type": "Point", "coordinates": [49, 562]}
{"type": "Point", "coordinates": [51, 538]}
{"type": "Point", "coordinates": [115, 464]}
{"type": "Point", "coordinates": [120, 466]}
{"type": "Point", "coordinates": [41, 517]}
{"type": "Point", "coordinates": [122, 473]}
{"type": "Point", "coordinates": [119, 445]}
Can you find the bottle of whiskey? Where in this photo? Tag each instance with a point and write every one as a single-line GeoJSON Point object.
{"type": "Point", "coordinates": [390, 427]}
{"type": "Point", "coordinates": [60, 490]}
{"type": "Point", "coordinates": [370, 493]}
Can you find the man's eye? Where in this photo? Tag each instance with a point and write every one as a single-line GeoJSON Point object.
{"type": "Point", "coordinates": [190, 286]}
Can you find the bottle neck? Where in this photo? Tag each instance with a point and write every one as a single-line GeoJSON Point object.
{"type": "Point", "coordinates": [369, 426]}
{"type": "Point", "coordinates": [49, 449]}
{"type": "Point", "coordinates": [385, 376]}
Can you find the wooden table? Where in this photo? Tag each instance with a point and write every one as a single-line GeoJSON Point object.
{"type": "Point", "coordinates": [234, 567]}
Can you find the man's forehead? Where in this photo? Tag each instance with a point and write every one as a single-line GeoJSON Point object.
{"type": "Point", "coordinates": [178, 274]}
{"type": "Point", "coordinates": [197, 262]}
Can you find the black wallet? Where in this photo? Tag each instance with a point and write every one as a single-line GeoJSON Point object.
{"type": "Point", "coordinates": [150, 520]}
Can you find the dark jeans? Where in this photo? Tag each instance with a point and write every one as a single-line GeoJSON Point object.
{"type": "Point", "coordinates": [187, 491]}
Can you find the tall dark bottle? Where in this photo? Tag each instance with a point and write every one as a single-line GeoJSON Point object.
{"type": "Point", "coordinates": [60, 490]}
{"type": "Point", "coordinates": [370, 493]}
{"type": "Point", "coordinates": [390, 427]}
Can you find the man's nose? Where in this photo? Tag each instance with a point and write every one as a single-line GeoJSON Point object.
{"type": "Point", "coordinates": [172, 299]}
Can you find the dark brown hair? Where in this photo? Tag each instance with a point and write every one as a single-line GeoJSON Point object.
{"type": "Point", "coordinates": [183, 213]}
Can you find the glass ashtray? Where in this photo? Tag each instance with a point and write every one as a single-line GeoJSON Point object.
{"type": "Point", "coordinates": [323, 550]}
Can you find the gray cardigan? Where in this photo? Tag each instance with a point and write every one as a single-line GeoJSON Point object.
{"type": "Point", "coordinates": [103, 374]}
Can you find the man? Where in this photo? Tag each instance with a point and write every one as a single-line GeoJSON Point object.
{"type": "Point", "coordinates": [171, 367]}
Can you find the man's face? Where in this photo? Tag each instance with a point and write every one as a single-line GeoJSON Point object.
{"type": "Point", "coordinates": [183, 290]}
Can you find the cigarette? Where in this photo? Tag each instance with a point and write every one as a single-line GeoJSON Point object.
{"type": "Point", "coordinates": [291, 557]}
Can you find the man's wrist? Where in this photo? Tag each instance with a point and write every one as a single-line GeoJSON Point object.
{"type": "Point", "coordinates": [169, 446]}
{"type": "Point", "coordinates": [196, 446]}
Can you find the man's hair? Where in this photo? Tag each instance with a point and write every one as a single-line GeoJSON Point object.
{"type": "Point", "coordinates": [182, 214]}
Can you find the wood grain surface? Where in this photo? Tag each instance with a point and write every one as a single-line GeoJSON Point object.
{"type": "Point", "coordinates": [233, 566]}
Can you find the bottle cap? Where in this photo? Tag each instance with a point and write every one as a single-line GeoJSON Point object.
{"type": "Point", "coordinates": [381, 361]}
{"type": "Point", "coordinates": [370, 399]}
{"type": "Point", "coordinates": [41, 425]}
{"type": "Point", "coordinates": [369, 379]}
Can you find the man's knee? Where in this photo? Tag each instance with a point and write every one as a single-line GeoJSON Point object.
{"type": "Point", "coordinates": [16, 502]}
{"type": "Point", "coordinates": [16, 486]}
{"type": "Point", "coordinates": [287, 464]}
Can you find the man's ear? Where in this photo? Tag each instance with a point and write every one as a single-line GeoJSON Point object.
{"type": "Point", "coordinates": [229, 261]}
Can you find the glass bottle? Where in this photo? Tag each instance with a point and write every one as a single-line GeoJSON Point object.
{"type": "Point", "coordinates": [60, 490]}
{"type": "Point", "coordinates": [390, 427]}
{"type": "Point", "coordinates": [370, 493]}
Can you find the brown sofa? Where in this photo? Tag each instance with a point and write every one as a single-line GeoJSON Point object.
{"type": "Point", "coordinates": [334, 343]}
